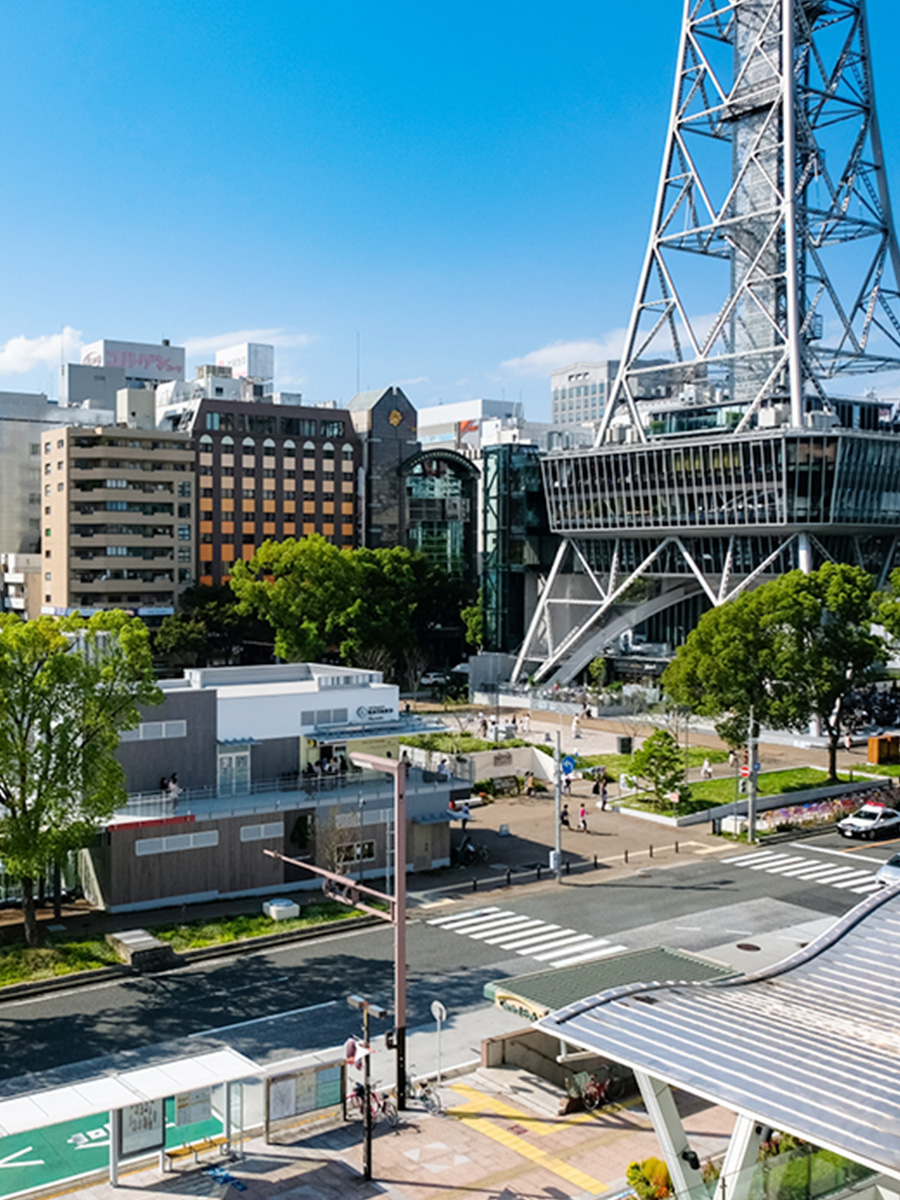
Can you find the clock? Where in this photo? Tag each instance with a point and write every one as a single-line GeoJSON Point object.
{"type": "Point", "coordinates": [395, 417]}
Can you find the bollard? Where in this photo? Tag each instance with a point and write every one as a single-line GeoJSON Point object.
{"type": "Point", "coordinates": [676, 847]}
{"type": "Point", "coordinates": [595, 862]}
{"type": "Point", "coordinates": [651, 851]}
{"type": "Point", "coordinates": [474, 885]}
{"type": "Point", "coordinates": [508, 877]}
{"type": "Point", "coordinates": [568, 866]}
{"type": "Point", "coordinates": [539, 872]}
{"type": "Point", "coordinates": [626, 854]}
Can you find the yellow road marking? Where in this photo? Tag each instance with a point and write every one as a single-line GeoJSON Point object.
{"type": "Point", "coordinates": [476, 1101]}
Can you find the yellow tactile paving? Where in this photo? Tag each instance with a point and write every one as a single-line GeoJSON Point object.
{"type": "Point", "coordinates": [539, 1126]}
{"type": "Point", "coordinates": [476, 1101]}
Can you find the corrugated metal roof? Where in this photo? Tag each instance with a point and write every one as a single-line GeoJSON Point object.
{"type": "Point", "coordinates": [544, 991]}
{"type": "Point", "coordinates": [810, 1046]}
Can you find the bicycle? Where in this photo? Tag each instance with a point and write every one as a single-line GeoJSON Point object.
{"type": "Point", "coordinates": [383, 1105]}
{"type": "Point", "coordinates": [593, 1091]}
{"type": "Point", "coordinates": [421, 1091]}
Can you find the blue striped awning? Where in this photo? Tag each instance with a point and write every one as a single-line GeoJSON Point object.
{"type": "Point", "coordinates": [810, 1046]}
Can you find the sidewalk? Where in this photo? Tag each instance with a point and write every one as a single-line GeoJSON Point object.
{"type": "Point", "coordinates": [500, 1136]}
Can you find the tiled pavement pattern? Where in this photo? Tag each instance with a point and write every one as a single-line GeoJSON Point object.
{"type": "Point", "coordinates": [551, 944]}
{"type": "Point", "coordinates": [486, 1147]}
{"type": "Point", "coordinates": [838, 871]}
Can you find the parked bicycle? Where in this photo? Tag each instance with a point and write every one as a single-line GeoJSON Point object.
{"type": "Point", "coordinates": [594, 1090]}
{"type": "Point", "coordinates": [422, 1092]}
{"type": "Point", "coordinates": [384, 1107]}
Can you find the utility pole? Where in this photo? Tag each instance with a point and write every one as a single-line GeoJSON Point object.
{"type": "Point", "coordinates": [751, 782]}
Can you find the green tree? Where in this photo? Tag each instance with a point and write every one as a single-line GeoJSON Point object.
{"type": "Point", "coordinates": [377, 608]}
{"type": "Point", "coordinates": [597, 672]}
{"type": "Point", "coordinates": [660, 764]}
{"type": "Point", "coordinates": [473, 620]}
{"type": "Point", "coordinates": [68, 686]}
{"type": "Point", "coordinates": [788, 652]}
{"type": "Point", "coordinates": [211, 629]}
{"type": "Point", "coordinates": [183, 640]}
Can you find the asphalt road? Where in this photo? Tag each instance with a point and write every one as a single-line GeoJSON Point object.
{"type": "Point", "coordinates": [694, 906]}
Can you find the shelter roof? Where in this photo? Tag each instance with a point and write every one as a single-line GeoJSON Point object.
{"type": "Point", "coordinates": [810, 1046]}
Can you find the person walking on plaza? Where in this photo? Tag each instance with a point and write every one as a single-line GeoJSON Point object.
{"type": "Point", "coordinates": [564, 817]}
{"type": "Point", "coordinates": [706, 769]}
{"type": "Point", "coordinates": [464, 815]}
{"type": "Point", "coordinates": [529, 783]}
{"type": "Point", "coordinates": [603, 795]}
{"type": "Point", "coordinates": [576, 726]}
{"type": "Point", "coordinates": [582, 818]}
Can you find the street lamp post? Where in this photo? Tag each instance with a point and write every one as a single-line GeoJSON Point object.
{"type": "Point", "coordinates": [366, 1007]}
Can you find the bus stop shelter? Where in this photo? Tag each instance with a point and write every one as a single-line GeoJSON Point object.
{"type": "Point", "coordinates": [809, 1047]}
{"type": "Point", "coordinates": [135, 1100]}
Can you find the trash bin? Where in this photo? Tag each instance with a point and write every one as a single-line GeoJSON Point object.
{"type": "Point", "coordinates": [623, 745]}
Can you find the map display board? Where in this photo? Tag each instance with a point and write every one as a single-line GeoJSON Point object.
{"type": "Point", "coordinates": [305, 1091]}
{"type": "Point", "coordinates": [192, 1107]}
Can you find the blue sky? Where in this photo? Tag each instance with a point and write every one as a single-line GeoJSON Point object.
{"type": "Point", "coordinates": [468, 188]}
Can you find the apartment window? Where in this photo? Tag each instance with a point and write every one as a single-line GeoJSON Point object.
{"type": "Point", "coordinates": [184, 533]}
{"type": "Point", "coordinates": [46, 599]}
{"type": "Point", "coordinates": [154, 731]}
{"type": "Point", "coordinates": [60, 444]}
{"type": "Point", "coordinates": [248, 493]}
{"type": "Point", "coordinates": [290, 474]}
{"type": "Point", "coordinates": [60, 487]}
{"type": "Point", "coordinates": [333, 429]}
{"type": "Point", "coordinates": [47, 447]}
{"type": "Point", "coordinates": [34, 448]}
{"type": "Point", "coordinates": [289, 494]}
{"type": "Point", "coordinates": [206, 539]}
{"type": "Point", "coordinates": [268, 494]}
{"type": "Point", "coordinates": [227, 493]}
{"type": "Point", "coordinates": [178, 841]}
{"type": "Point", "coordinates": [184, 510]}
{"type": "Point", "coordinates": [184, 554]}
{"type": "Point", "coordinates": [48, 576]}
{"type": "Point", "coordinates": [60, 465]}
{"type": "Point", "coordinates": [249, 539]}
{"type": "Point", "coordinates": [347, 451]}
{"type": "Point", "coordinates": [184, 489]}
{"type": "Point", "coordinates": [206, 493]}
{"type": "Point", "coordinates": [47, 489]}
{"type": "Point", "coordinates": [47, 513]}
{"type": "Point", "coordinates": [184, 575]}
{"type": "Point", "coordinates": [47, 468]}
{"type": "Point", "coordinates": [268, 472]}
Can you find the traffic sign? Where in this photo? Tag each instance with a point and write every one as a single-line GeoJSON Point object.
{"type": "Point", "coordinates": [745, 772]}
{"type": "Point", "coordinates": [757, 767]}
{"type": "Point", "coordinates": [438, 1011]}
{"type": "Point", "coordinates": [568, 764]}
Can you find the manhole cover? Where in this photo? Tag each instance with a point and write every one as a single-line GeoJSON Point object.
{"type": "Point", "coordinates": [746, 946]}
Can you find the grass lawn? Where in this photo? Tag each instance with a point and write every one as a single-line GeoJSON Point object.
{"type": "Point", "coordinates": [709, 793]}
{"type": "Point", "coordinates": [458, 743]}
{"type": "Point", "coordinates": [617, 763]}
{"type": "Point", "coordinates": [197, 934]}
{"type": "Point", "coordinates": [890, 769]}
{"type": "Point", "coordinates": [58, 956]}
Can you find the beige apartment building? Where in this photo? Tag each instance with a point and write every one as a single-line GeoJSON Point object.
{"type": "Point", "coordinates": [118, 519]}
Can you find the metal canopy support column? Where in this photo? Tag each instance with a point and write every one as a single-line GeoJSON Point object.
{"type": "Point", "coordinates": [660, 1104]}
{"type": "Point", "coordinates": [746, 1139]}
{"type": "Point", "coordinates": [115, 1137]}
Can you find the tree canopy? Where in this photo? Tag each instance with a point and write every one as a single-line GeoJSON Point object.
{"type": "Point", "coordinates": [660, 763]}
{"type": "Point", "coordinates": [790, 651]}
{"type": "Point", "coordinates": [68, 686]}
{"type": "Point", "coordinates": [374, 607]}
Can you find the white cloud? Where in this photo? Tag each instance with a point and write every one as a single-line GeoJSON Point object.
{"type": "Point", "coordinates": [539, 363]}
{"type": "Point", "coordinates": [412, 382]}
{"type": "Point", "coordinates": [22, 354]}
{"type": "Point", "coordinates": [198, 346]}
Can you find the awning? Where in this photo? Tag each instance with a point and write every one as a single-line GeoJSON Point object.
{"type": "Point", "coordinates": [810, 1046]}
{"type": "Point", "coordinates": [91, 1096]}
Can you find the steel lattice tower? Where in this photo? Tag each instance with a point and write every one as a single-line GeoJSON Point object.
{"type": "Point", "coordinates": [727, 450]}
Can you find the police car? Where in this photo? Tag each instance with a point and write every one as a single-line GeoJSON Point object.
{"type": "Point", "coordinates": [872, 821]}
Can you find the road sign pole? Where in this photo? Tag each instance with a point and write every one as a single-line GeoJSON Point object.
{"type": "Point", "coordinates": [751, 788]}
{"type": "Point", "coordinates": [440, 1015]}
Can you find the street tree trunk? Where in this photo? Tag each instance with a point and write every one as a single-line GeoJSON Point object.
{"type": "Point", "coordinates": [28, 912]}
{"type": "Point", "coordinates": [832, 755]}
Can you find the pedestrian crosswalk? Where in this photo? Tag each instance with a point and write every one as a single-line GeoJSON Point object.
{"type": "Point", "coordinates": [555, 945]}
{"type": "Point", "coordinates": [837, 872]}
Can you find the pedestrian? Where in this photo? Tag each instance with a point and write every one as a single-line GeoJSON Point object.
{"type": "Point", "coordinates": [603, 795]}
{"type": "Point", "coordinates": [567, 784]}
{"type": "Point", "coordinates": [443, 771]}
{"type": "Point", "coordinates": [848, 741]}
{"type": "Point", "coordinates": [164, 785]}
{"type": "Point", "coordinates": [407, 709]}
{"type": "Point", "coordinates": [564, 816]}
{"type": "Point", "coordinates": [706, 769]}
{"type": "Point", "coordinates": [464, 815]}
{"type": "Point", "coordinates": [595, 790]}
{"type": "Point", "coordinates": [731, 758]}
{"type": "Point", "coordinates": [576, 725]}
{"type": "Point", "coordinates": [525, 722]}
{"type": "Point", "coordinates": [582, 818]}
{"type": "Point", "coordinates": [602, 771]}
{"type": "Point", "coordinates": [529, 783]}
{"type": "Point", "coordinates": [174, 789]}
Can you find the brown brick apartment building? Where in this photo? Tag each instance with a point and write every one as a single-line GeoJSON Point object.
{"type": "Point", "coordinates": [271, 471]}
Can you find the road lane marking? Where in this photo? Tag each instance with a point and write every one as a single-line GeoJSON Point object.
{"type": "Point", "coordinates": [291, 1012]}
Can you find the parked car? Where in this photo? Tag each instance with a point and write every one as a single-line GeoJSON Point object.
{"type": "Point", "coordinates": [433, 679]}
{"type": "Point", "coordinates": [872, 821]}
{"type": "Point", "coordinates": [890, 872]}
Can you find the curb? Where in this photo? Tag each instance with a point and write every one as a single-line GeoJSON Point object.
{"type": "Point", "coordinates": [60, 983]}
